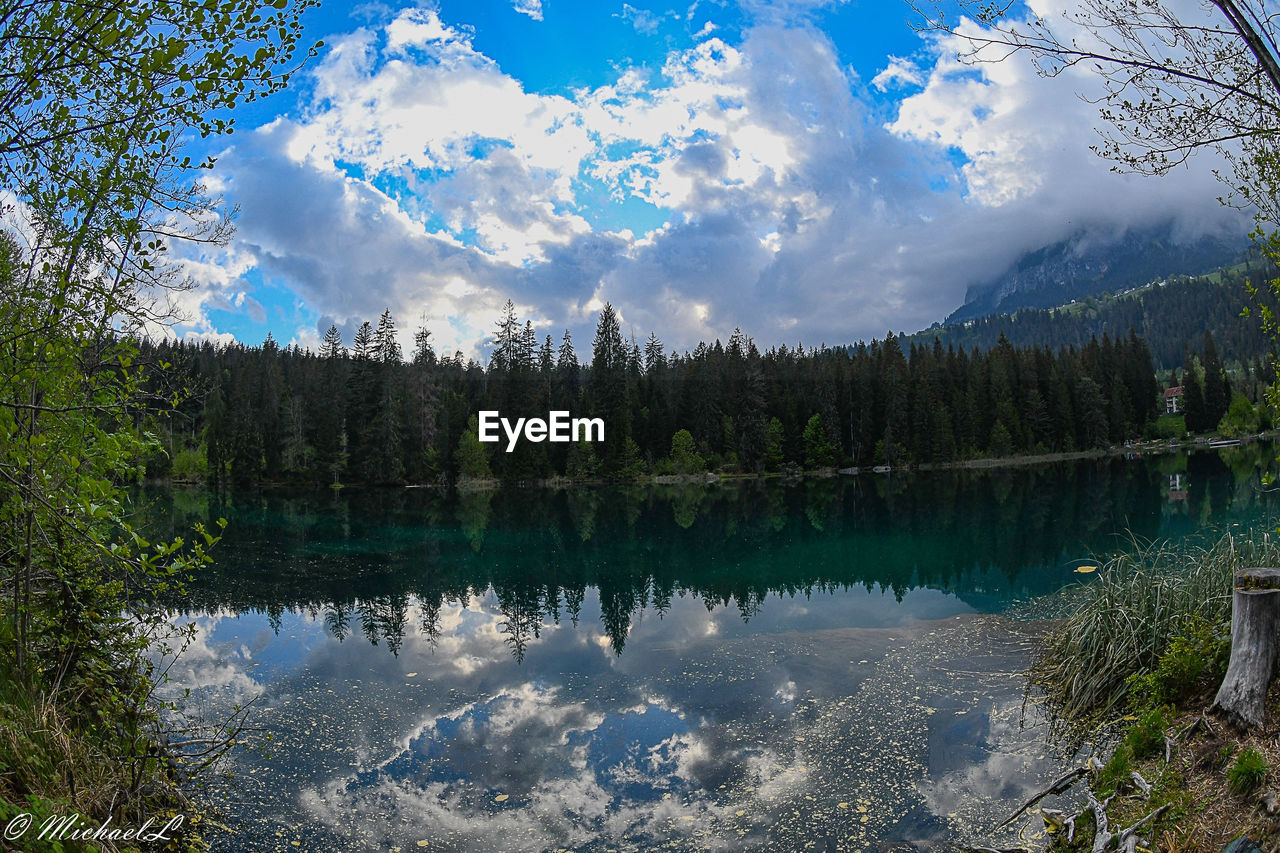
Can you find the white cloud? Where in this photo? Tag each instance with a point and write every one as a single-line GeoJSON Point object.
{"type": "Point", "coordinates": [423, 177]}
{"type": "Point", "coordinates": [532, 8]}
{"type": "Point", "coordinates": [642, 20]}
{"type": "Point", "coordinates": [899, 72]}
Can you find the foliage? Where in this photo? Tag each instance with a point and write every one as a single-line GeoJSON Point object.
{"type": "Point", "coordinates": [97, 100]}
{"type": "Point", "coordinates": [685, 457]}
{"type": "Point", "coordinates": [818, 450]}
{"type": "Point", "coordinates": [1242, 418]}
{"type": "Point", "coordinates": [290, 415]}
{"type": "Point", "coordinates": [1171, 426]}
{"type": "Point", "coordinates": [472, 457]}
{"type": "Point", "coordinates": [190, 465]}
{"type": "Point", "coordinates": [1247, 773]}
{"type": "Point", "coordinates": [95, 103]}
{"type": "Point", "coordinates": [1126, 617]}
{"type": "Point", "coordinates": [1115, 773]}
{"type": "Point", "coordinates": [1174, 82]}
{"type": "Point", "coordinates": [1195, 660]}
{"type": "Point", "coordinates": [1146, 737]}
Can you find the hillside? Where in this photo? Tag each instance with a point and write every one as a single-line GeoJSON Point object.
{"type": "Point", "coordinates": [1093, 264]}
{"type": "Point", "coordinates": [1170, 315]}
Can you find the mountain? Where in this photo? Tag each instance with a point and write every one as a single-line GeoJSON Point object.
{"type": "Point", "coordinates": [1171, 315]}
{"type": "Point", "coordinates": [1089, 264]}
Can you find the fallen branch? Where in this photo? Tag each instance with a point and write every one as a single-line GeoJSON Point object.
{"type": "Point", "coordinates": [1127, 839]}
{"type": "Point", "coordinates": [1061, 784]}
{"type": "Point", "coordinates": [1143, 785]}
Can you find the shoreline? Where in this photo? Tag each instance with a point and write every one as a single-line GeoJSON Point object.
{"type": "Point", "coordinates": [1138, 449]}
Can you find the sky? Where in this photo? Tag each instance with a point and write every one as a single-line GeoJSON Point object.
{"type": "Point", "coordinates": [810, 171]}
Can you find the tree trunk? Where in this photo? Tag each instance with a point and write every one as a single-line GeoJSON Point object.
{"type": "Point", "coordinates": [1255, 623]}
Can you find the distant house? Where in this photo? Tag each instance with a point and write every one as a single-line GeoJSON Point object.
{"type": "Point", "coordinates": [1173, 400]}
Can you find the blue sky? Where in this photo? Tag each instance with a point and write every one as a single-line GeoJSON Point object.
{"type": "Point", "coordinates": [807, 170]}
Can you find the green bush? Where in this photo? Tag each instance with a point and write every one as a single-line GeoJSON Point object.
{"type": "Point", "coordinates": [819, 452]}
{"type": "Point", "coordinates": [190, 465]}
{"type": "Point", "coordinates": [1147, 735]}
{"type": "Point", "coordinates": [1195, 660]}
{"type": "Point", "coordinates": [1248, 773]}
{"type": "Point", "coordinates": [1116, 772]}
{"type": "Point", "coordinates": [1124, 619]}
{"type": "Point", "coordinates": [1171, 426]}
{"type": "Point", "coordinates": [1242, 418]}
{"type": "Point", "coordinates": [685, 458]}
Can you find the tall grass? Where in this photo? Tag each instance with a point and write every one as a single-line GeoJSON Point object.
{"type": "Point", "coordinates": [1124, 617]}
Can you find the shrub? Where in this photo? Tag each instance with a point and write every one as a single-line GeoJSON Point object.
{"type": "Point", "coordinates": [1116, 772]}
{"type": "Point", "coordinates": [1195, 660]}
{"type": "Point", "coordinates": [190, 465]}
{"type": "Point", "coordinates": [1126, 617]}
{"type": "Point", "coordinates": [1248, 773]}
{"type": "Point", "coordinates": [685, 458]}
{"type": "Point", "coordinates": [1171, 426]}
{"type": "Point", "coordinates": [1147, 735]}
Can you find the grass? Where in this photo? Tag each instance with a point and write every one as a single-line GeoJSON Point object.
{"type": "Point", "coordinates": [1127, 617]}
{"type": "Point", "coordinates": [1139, 655]}
{"type": "Point", "coordinates": [1248, 773]}
{"type": "Point", "coordinates": [56, 763]}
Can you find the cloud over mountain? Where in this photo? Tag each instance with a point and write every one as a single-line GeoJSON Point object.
{"type": "Point", "coordinates": [751, 180]}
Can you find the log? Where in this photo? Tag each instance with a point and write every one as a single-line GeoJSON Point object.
{"type": "Point", "coordinates": [1255, 623]}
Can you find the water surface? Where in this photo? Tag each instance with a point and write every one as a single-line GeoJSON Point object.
{"type": "Point", "coordinates": [830, 664]}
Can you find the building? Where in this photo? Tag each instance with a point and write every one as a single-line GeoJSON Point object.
{"type": "Point", "coordinates": [1173, 400]}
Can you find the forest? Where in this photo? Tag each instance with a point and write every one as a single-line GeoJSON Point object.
{"type": "Point", "coordinates": [368, 415]}
{"type": "Point", "coordinates": [1171, 317]}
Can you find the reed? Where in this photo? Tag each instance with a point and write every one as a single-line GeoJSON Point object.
{"type": "Point", "coordinates": [1124, 617]}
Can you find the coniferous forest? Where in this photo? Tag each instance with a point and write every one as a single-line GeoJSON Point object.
{"type": "Point", "coordinates": [366, 414]}
{"type": "Point", "coordinates": [1171, 317]}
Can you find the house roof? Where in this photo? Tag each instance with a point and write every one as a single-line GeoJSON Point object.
{"type": "Point", "coordinates": [1175, 391]}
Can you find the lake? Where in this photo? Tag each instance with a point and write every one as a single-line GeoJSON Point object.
{"type": "Point", "coordinates": [831, 664]}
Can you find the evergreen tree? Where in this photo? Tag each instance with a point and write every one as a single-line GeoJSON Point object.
{"type": "Point", "coordinates": [471, 457]}
{"type": "Point", "coordinates": [607, 387]}
{"type": "Point", "coordinates": [818, 450]}
{"type": "Point", "coordinates": [385, 347]}
{"type": "Point", "coordinates": [331, 346]}
{"type": "Point", "coordinates": [1193, 405]}
{"type": "Point", "coordinates": [1217, 391]}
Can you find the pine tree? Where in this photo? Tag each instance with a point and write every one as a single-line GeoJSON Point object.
{"type": "Point", "coordinates": [568, 373]}
{"type": "Point", "coordinates": [1217, 391]}
{"type": "Point", "coordinates": [607, 387]}
{"type": "Point", "coordinates": [507, 340]}
{"type": "Point", "coordinates": [331, 346]}
{"type": "Point", "coordinates": [386, 349]}
{"type": "Point", "coordinates": [363, 343]}
{"type": "Point", "coordinates": [653, 357]}
{"type": "Point", "coordinates": [1193, 397]}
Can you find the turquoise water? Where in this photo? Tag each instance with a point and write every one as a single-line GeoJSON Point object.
{"type": "Point", "coordinates": [831, 664]}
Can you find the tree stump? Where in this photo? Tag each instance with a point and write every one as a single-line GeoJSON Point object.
{"type": "Point", "coordinates": [1255, 624]}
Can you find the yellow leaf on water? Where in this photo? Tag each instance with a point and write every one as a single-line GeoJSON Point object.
{"type": "Point", "coordinates": [502, 798]}
{"type": "Point", "coordinates": [422, 843]}
{"type": "Point", "coordinates": [741, 812]}
{"type": "Point", "coordinates": [1084, 570]}
{"type": "Point", "coordinates": [842, 805]}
